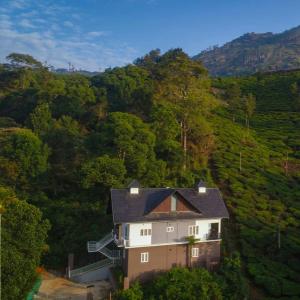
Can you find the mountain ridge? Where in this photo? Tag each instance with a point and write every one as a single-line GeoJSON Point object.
{"type": "Point", "coordinates": [254, 52]}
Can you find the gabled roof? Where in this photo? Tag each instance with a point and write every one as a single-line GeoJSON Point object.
{"type": "Point", "coordinates": [137, 208]}
{"type": "Point", "coordinates": [174, 192]}
{"type": "Point", "coordinates": [201, 184]}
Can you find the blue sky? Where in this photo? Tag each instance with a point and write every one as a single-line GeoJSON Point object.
{"type": "Point", "coordinates": [96, 34]}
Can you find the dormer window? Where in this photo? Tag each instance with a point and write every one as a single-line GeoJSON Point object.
{"type": "Point", "coordinates": [134, 187]}
{"type": "Point", "coordinates": [134, 191]}
{"type": "Point", "coordinates": [201, 187]}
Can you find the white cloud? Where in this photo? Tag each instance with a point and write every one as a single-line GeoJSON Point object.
{"type": "Point", "coordinates": [18, 4]}
{"type": "Point", "coordinates": [26, 23]}
{"type": "Point", "coordinates": [58, 52]}
{"type": "Point", "coordinates": [68, 24]}
{"type": "Point", "coordinates": [5, 21]}
{"type": "Point", "coordinates": [38, 28]}
{"type": "Point", "coordinates": [96, 33]}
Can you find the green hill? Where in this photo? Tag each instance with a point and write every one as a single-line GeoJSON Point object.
{"type": "Point", "coordinates": [254, 52]}
{"type": "Point", "coordinates": [67, 139]}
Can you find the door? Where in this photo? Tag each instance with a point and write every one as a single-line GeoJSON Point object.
{"type": "Point", "coordinates": [214, 231]}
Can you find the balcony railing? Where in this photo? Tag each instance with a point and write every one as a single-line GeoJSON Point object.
{"type": "Point", "coordinates": [213, 236]}
{"type": "Point", "coordinates": [122, 242]}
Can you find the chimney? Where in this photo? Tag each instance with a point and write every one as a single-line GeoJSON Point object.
{"type": "Point", "coordinates": [201, 187]}
{"type": "Point", "coordinates": [134, 187]}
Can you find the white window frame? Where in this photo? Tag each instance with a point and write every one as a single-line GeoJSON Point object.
{"type": "Point", "coordinates": [144, 257]}
{"type": "Point", "coordinates": [170, 228]}
{"type": "Point", "coordinates": [193, 230]}
{"type": "Point", "coordinates": [195, 252]}
{"type": "Point", "coordinates": [146, 232]}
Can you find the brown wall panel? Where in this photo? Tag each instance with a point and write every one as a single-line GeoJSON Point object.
{"type": "Point", "coordinates": [162, 258]}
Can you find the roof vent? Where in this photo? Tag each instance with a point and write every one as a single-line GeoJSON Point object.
{"type": "Point", "coordinates": [134, 187]}
{"type": "Point", "coordinates": [201, 187]}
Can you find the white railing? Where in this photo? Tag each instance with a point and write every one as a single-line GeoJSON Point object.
{"type": "Point", "coordinates": [122, 242]}
{"type": "Point", "coordinates": [95, 246]}
{"type": "Point", "coordinates": [91, 267]}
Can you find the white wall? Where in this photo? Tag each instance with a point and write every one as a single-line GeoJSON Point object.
{"type": "Point", "coordinates": [204, 227]}
{"type": "Point", "coordinates": [159, 235]}
{"type": "Point", "coordinates": [135, 238]}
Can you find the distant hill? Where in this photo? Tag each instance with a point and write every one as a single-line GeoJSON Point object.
{"type": "Point", "coordinates": [253, 52]}
{"type": "Point", "coordinates": [82, 72]}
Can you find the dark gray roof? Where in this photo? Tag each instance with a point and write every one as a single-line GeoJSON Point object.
{"type": "Point", "coordinates": [134, 184]}
{"type": "Point", "coordinates": [127, 207]}
{"type": "Point", "coordinates": [201, 184]}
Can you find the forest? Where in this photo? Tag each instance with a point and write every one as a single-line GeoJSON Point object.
{"type": "Point", "coordinates": [66, 139]}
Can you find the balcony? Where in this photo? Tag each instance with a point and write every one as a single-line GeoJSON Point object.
{"type": "Point", "coordinates": [211, 236]}
{"type": "Point", "coordinates": [121, 242]}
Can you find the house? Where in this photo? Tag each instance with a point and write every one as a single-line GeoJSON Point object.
{"type": "Point", "coordinates": [152, 227]}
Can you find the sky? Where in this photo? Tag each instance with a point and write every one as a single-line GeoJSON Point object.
{"type": "Point", "coordinates": [97, 34]}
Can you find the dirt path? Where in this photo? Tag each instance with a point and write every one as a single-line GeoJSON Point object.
{"type": "Point", "coordinates": [59, 288]}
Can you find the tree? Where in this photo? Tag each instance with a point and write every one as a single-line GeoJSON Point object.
{"type": "Point", "coordinates": [23, 60]}
{"type": "Point", "coordinates": [128, 89]}
{"type": "Point", "coordinates": [65, 140]}
{"type": "Point", "coordinates": [23, 157]}
{"type": "Point", "coordinates": [191, 241]}
{"type": "Point", "coordinates": [185, 284]}
{"type": "Point", "coordinates": [103, 171]}
{"type": "Point", "coordinates": [24, 234]}
{"type": "Point", "coordinates": [249, 106]}
{"type": "Point", "coordinates": [128, 138]}
{"type": "Point", "coordinates": [40, 120]}
{"type": "Point", "coordinates": [78, 94]}
{"type": "Point", "coordinates": [234, 95]}
{"type": "Point", "coordinates": [134, 293]}
{"type": "Point", "coordinates": [184, 83]}
{"type": "Point", "coordinates": [167, 130]}
{"type": "Point", "coordinates": [233, 282]}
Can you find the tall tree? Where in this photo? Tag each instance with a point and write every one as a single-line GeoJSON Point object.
{"type": "Point", "coordinates": [24, 235]}
{"type": "Point", "coordinates": [184, 83]}
{"type": "Point", "coordinates": [128, 89]}
{"type": "Point", "coordinates": [40, 120]}
{"type": "Point", "coordinates": [23, 157]}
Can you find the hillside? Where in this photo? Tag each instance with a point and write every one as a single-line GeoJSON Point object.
{"type": "Point", "coordinates": [253, 53]}
{"type": "Point", "coordinates": [67, 139]}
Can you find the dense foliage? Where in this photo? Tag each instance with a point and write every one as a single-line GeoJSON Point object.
{"type": "Point", "coordinates": [192, 284]}
{"type": "Point", "coordinates": [23, 241]}
{"type": "Point", "coordinates": [65, 140]}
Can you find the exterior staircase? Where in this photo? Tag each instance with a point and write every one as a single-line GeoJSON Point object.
{"type": "Point", "coordinates": [92, 272]}
{"type": "Point", "coordinates": [100, 269]}
{"type": "Point", "coordinates": [91, 267]}
{"type": "Point", "coordinates": [100, 246]}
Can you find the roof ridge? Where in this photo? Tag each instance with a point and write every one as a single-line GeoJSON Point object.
{"type": "Point", "coordinates": [166, 188]}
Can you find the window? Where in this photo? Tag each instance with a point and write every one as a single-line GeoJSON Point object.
{"type": "Point", "coordinates": [173, 202]}
{"type": "Point", "coordinates": [126, 231]}
{"type": "Point", "coordinates": [195, 252]}
{"type": "Point", "coordinates": [193, 230]}
{"type": "Point", "coordinates": [144, 257]}
{"type": "Point", "coordinates": [145, 232]}
{"type": "Point", "coordinates": [170, 229]}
